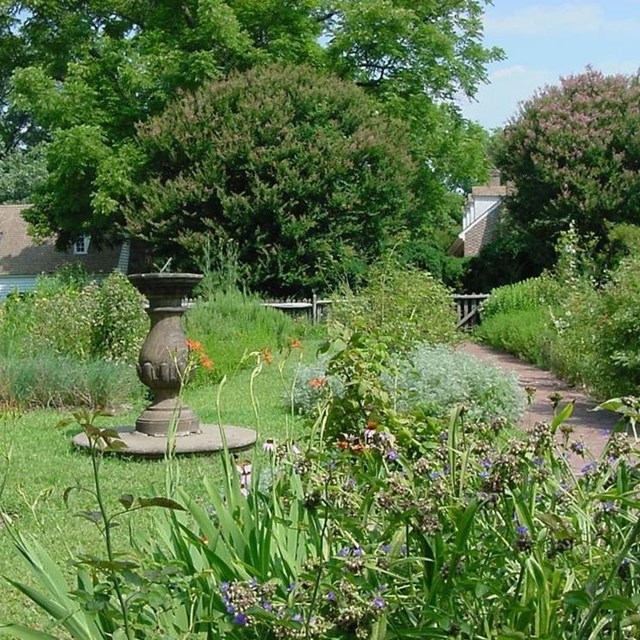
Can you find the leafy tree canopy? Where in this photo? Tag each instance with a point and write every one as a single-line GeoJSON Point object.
{"type": "Point", "coordinates": [85, 72]}
{"type": "Point", "coordinates": [573, 156]}
{"type": "Point", "coordinates": [297, 168]}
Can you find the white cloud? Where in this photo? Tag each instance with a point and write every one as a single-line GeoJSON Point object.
{"type": "Point", "coordinates": [561, 19]}
{"type": "Point", "coordinates": [498, 101]}
{"type": "Point", "coordinates": [508, 71]}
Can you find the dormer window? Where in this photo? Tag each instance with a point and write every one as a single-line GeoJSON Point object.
{"type": "Point", "coordinates": [81, 246]}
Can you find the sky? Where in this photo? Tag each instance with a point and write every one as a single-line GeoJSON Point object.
{"type": "Point", "coordinates": [545, 40]}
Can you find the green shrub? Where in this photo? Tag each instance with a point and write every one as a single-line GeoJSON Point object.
{"type": "Point", "coordinates": [71, 317]}
{"type": "Point", "coordinates": [401, 306]}
{"type": "Point", "coordinates": [434, 380]}
{"type": "Point", "coordinates": [543, 291]}
{"type": "Point", "coordinates": [121, 324]}
{"type": "Point", "coordinates": [526, 333]}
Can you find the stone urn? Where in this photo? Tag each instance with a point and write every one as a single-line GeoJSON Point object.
{"type": "Point", "coordinates": [162, 362]}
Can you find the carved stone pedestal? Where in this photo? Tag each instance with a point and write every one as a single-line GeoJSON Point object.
{"type": "Point", "coordinates": [162, 367]}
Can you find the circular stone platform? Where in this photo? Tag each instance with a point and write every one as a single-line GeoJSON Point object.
{"type": "Point", "coordinates": [208, 440]}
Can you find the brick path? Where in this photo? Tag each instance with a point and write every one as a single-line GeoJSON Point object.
{"type": "Point", "coordinates": [590, 426]}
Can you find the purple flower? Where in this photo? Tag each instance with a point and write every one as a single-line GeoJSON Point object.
{"type": "Point", "coordinates": [224, 587]}
{"type": "Point", "coordinates": [241, 619]}
{"type": "Point", "coordinates": [378, 602]}
{"type": "Point", "coordinates": [269, 445]}
{"type": "Point", "coordinates": [267, 606]}
{"type": "Point", "coordinates": [522, 530]}
{"type": "Point", "coordinates": [385, 548]}
{"type": "Point", "coordinates": [484, 474]}
{"type": "Point", "coordinates": [297, 617]}
{"type": "Point", "coordinates": [486, 463]}
{"type": "Point", "coordinates": [344, 552]}
{"type": "Point", "coordinates": [392, 455]}
{"type": "Point", "coordinates": [443, 435]}
{"type": "Point", "coordinates": [230, 607]}
{"type": "Point", "coordinates": [331, 596]}
{"type": "Point", "coordinates": [608, 507]}
{"type": "Point", "coordinates": [357, 552]}
{"type": "Point", "coordinates": [589, 468]}
{"type": "Point", "coordinates": [538, 462]}
{"type": "Point", "coordinates": [291, 587]}
{"type": "Point", "coordinates": [434, 475]}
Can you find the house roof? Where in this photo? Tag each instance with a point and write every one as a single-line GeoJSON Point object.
{"type": "Point", "coordinates": [489, 190]}
{"type": "Point", "coordinates": [20, 255]}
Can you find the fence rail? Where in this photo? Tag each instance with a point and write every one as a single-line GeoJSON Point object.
{"type": "Point", "coordinates": [468, 306]}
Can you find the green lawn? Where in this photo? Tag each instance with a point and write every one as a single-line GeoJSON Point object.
{"type": "Point", "coordinates": [43, 464]}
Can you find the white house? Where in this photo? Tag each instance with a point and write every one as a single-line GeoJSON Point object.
{"type": "Point", "coordinates": [22, 260]}
{"type": "Point", "coordinates": [482, 212]}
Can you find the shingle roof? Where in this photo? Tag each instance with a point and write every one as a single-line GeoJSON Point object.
{"type": "Point", "coordinates": [21, 256]}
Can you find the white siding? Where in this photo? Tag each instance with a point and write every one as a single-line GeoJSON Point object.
{"type": "Point", "coordinates": [16, 283]}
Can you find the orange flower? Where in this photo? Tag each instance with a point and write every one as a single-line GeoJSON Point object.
{"type": "Point", "coordinates": [296, 344]}
{"type": "Point", "coordinates": [206, 362]}
{"type": "Point", "coordinates": [266, 354]}
{"type": "Point", "coordinates": [372, 425]}
{"type": "Point", "coordinates": [357, 448]}
{"type": "Point", "coordinates": [343, 444]}
{"type": "Point", "coordinates": [194, 345]}
{"type": "Point", "coordinates": [316, 383]}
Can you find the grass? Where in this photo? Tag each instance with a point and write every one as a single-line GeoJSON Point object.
{"type": "Point", "coordinates": [43, 464]}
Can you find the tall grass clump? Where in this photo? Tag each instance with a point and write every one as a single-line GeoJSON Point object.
{"type": "Point", "coordinates": [54, 381]}
{"type": "Point", "coordinates": [231, 323]}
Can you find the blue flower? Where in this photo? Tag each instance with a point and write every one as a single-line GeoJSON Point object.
{"type": "Point", "coordinates": [357, 552]}
{"type": "Point", "coordinates": [241, 619]}
{"type": "Point", "coordinates": [378, 602]}
{"type": "Point", "coordinates": [522, 530]}
{"type": "Point", "coordinates": [392, 455]}
{"type": "Point", "coordinates": [224, 587]}
{"type": "Point", "coordinates": [331, 596]}
{"type": "Point", "coordinates": [344, 552]}
{"type": "Point", "coordinates": [385, 548]}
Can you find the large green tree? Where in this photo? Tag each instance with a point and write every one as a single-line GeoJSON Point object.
{"type": "Point", "coordinates": [572, 154]}
{"type": "Point", "coordinates": [297, 168]}
{"type": "Point", "coordinates": [92, 69]}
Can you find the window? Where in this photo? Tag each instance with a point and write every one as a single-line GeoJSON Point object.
{"type": "Point", "coordinates": [81, 246]}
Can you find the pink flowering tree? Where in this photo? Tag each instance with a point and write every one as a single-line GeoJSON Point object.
{"type": "Point", "coordinates": [573, 154]}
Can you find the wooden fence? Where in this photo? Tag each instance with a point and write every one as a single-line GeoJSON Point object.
{"type": "Point", "coordinates": [467, 306]}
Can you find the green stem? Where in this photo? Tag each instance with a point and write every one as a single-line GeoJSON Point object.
{"type": "Point", "coordinates": [95, 462]}
{"type": "Point", "coordinates": [597, 603]}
